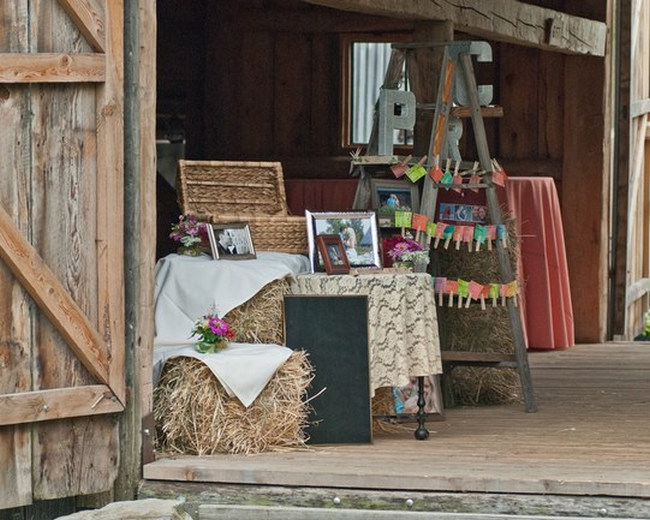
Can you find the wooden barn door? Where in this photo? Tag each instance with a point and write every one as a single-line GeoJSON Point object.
{"type": "Point", "coordinates": [61, 261]}
{"type": "Point", "coordinates": [632, 219]}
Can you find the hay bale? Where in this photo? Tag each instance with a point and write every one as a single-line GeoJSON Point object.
{"type": "Point", "coordinates": [260, 319]}
{"type": "Point", "coordinates": [194, 415]}
{"type": "Point", "coordinates": [476, 330]}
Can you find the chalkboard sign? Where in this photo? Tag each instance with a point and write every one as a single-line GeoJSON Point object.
{"type": "Point", "coordinates": [333, 330]}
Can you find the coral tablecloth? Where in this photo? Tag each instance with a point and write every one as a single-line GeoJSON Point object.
{"type": "Point", "coordinates": [546, 298]}
{"type": "Point", "coordinates": [402, 321]}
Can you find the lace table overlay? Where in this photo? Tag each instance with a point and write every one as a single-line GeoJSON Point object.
{"type": "Point", "coordinates": [402, 321]}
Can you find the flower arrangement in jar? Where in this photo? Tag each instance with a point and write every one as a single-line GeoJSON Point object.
{"type": "Point", "coordinates": [404, 251]}
{"type": "Point", "coordinates": [188, 233]}
{"type": "Point", "coordinates": [213, 332]}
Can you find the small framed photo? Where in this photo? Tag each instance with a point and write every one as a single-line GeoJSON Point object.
{"type": "Point", "coordinates": [231, 241]}
{"type": "Point", "coordinates": [333, 254]}
{"type": "Point", "coordinates": [357, 231]}
{"type": "Point", "coordinates": [390, 195]}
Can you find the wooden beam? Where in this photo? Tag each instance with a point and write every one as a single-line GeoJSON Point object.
{"type": "Point", "coordinates": [46, 290]}
{"type": "Point", "coordinates": [51, 68]}
{"type": "Point", "coordinates": [636, 290]}
{"type": "Point", "coordinates": [639, 107]}
{"type": "Point", "coordinates": [110, 199]}
{"type": "Point", "coordinates": [504, 20]}
{"type": "Point", "coordinates": [59, 403]}
{"type": "Point", "coordinates": [636, 176]}
{"type": "Point", "coordinates": [89, 20]}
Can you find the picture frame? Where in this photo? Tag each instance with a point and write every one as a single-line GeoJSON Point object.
{"type": "Point", "coordinates": [390, 195]}
{"type": "Point", "coordinates": [333, 254]}
{"type": "Point", "coordinates": [231, 241]}
{"type": "Point", "coordinates": [463, 213]}
{"type": "Point", "coordinates": [358, 232]}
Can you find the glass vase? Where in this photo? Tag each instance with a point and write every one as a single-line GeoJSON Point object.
{"type": "Point", "coordinates": [189, 251]}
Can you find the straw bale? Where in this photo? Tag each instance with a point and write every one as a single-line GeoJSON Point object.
{"type": "Point", "coordinates": [260, 319]}
{"type": "Point", "coordinates": [194, 415]}
{"type": "Point", "coordinates": [476, 330]}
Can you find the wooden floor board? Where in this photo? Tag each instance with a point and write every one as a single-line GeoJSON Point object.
{"type": "Point", "coordinates": [591, 436]}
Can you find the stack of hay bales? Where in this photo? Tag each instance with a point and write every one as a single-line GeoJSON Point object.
{"type": "Point", "coordinates": [195, 416]}
{"type": "Point", "coordinates": [476, 330]}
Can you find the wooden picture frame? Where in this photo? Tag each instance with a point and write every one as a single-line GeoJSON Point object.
{"type": "Point", "coordinates": [390, 195]}
{"type": "Point", "coordinates": [333, 254]}
{"type": "Point", "coordinates": [358, 230]}
{"type": "Point", "coordinates": [231, 241]}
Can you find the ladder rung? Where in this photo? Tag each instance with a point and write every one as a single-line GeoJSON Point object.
{"type": "Point", "coordinates": [464, 186]}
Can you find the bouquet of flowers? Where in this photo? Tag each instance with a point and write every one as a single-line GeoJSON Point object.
{"type": "Point", "coordinates": [404, 249]}
{"type": "Point", "coordinates": [213, 333]}
{"type": "Point", "coordinates": [187, 231]}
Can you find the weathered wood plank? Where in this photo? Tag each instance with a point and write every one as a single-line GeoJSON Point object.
{"type": "Point", "coordinates": [504, 20]}
{"type": "Point", "coordinates": [51, 68]}
{"type": "Point", "coordinates": [582, 191]}
{"type": "Point", "coordinates": [471, 504]}
{"type": "Point", "coordinates": [589, 437]}
{"type": "Point", "coordinates": [76, 456]}
{"type": "Point", "coordinates": [519, 84]}
{"type": "Point", "coordinates": [89, 18]}
{"type": "Point", "coordinates": [60, 403]}
{"type": "Point", "coordinates": [53, 299]}
{"type": "Point", "coordinates": [140, 217]}
{"type": "Point", "coordinates": [255, 121]}
{"type": "Point", "coordinates": [324, 95]}
{"type": "Point", "coordinates": [621, 157]}
{"type": "Point", "coordinates": [110, 201]}
{"type": "Point", "coordinates": [15, 329]}
{"type": "Point", "coordinates": [292, 95]}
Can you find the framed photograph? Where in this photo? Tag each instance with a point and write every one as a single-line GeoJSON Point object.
{"type": "Point", "coordinates": [357, 231]}
{"type": "Point", "coordinates": [231, 241]}
{"type": "Point", "coordinates": [469, 213]}
{"type": "Point", "coordinates": [333, 254]}
{"type": "Point", "coordinates": [390, 195]}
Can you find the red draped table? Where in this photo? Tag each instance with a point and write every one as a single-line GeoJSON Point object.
{"type": "Point", "coordinates": [546, 296]}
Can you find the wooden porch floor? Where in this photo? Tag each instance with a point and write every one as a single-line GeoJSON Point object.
{"type": "Point", "coordinates": [591, 436]}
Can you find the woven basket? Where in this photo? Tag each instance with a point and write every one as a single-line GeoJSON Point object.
{"type": "Point", "coordinates": [225, 192]}
{"type": "Point", "coordinates": [283, 234]}
{"type": "Point", "coordinates": [231, 187]}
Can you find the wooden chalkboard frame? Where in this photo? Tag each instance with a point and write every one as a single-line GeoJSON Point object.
{"type": "Point", "coordinates": [333, 330]}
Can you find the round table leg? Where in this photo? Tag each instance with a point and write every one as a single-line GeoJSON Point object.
{"type": "Point", "coordinates": [421, 433]}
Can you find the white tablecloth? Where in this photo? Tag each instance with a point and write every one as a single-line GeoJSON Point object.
{"type": "Point", "coordinates": [243, 369]}
{"type": "Point", "coordinates": [187, 288]}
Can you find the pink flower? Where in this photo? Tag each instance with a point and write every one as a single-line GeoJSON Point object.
{"type": "Point", "coordinates": [403, 246]}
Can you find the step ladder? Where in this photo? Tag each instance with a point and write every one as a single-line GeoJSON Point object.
{"type": "Point", "coordinates": [457, 67]}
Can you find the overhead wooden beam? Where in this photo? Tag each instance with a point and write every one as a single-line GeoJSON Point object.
{"type": "Point", "coordinates": [58, 403]}
{"type": "Point", "coordinates": [501, 20]}
{"type": "Point", "coordinates": [87, 16]}
{"type": "Point", "coordinates": [52, 298]}
{"type": "Point", "coordinates": [51, 68]}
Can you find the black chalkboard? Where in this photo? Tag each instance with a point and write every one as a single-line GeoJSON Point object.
{"type": "Point", "coordinates": [333, 330]}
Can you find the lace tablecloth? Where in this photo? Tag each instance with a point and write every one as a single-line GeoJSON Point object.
{"type": "Point", "coordinates": [402, 321]}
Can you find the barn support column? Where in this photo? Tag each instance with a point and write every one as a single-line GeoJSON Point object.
{"type": "Point", "coordinates": [139, 233]}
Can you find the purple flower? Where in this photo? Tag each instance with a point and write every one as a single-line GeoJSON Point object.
{"type": "Point", "coordinates": [218, 326]}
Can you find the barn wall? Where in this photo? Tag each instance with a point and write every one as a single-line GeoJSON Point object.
{"type": "Point", "coordinates": [265, 84]}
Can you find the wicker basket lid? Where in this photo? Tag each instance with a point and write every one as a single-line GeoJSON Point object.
{"type": "Point", "coordinates": [231, 187]}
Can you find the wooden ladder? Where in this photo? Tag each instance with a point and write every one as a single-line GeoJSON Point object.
{"type": "Point", "coordinates": [457, 66]}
